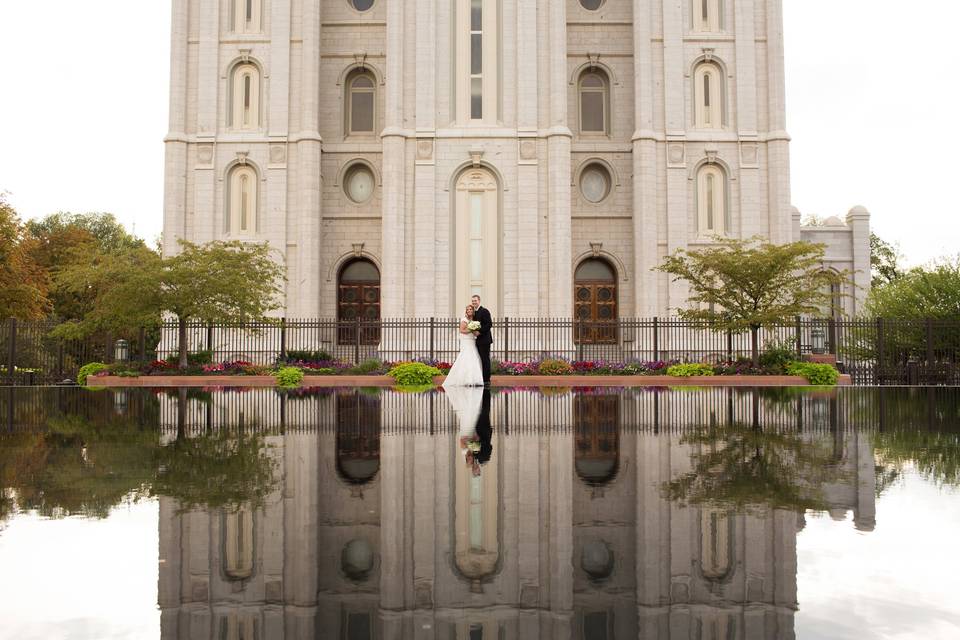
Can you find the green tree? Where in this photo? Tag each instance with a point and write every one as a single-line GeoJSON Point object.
{"type": "Point", "coordinates": [741, 285]}
{"type": "Point", "coordinates": [922, 292]}
{"type": "Point", "coordinates": [884, 261]}
{"type": "Point", "coordinates": [60, 240]}
{"type": "Point", "coordinates": [230, 282]}
{"type": "Point", "coordinates": [23, 282]}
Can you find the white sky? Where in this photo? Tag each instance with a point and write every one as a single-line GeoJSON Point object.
{"type": "Point", "coordinates": [870, 99]}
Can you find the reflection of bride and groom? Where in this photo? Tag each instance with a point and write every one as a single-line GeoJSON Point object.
{"type": "Point", "coordinates": [468, 386]}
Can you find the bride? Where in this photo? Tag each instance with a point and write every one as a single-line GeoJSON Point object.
{"type": "Point", "coordinates": [466, 370]}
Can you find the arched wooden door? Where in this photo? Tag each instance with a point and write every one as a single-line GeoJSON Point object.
{"type": "Point", "coordinates": [358, 299]}
{"type": "Point", "coordinates": [595, 302]}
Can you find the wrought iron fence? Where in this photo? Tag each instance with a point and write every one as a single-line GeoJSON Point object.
{"type": "Point", "coordinates": [873, 351]}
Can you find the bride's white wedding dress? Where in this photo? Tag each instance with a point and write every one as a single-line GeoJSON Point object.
{"type": "Point", "coordinates": [466, 370]}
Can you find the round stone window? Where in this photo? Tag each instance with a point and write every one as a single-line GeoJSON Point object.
{"type": "Point", "coordinates": [591, 5]}
{"type": "Point", "coordinates": [595, 183]}
{"type": "Point", "coordinates": [361, 5]}
{"type": "Point", "coordinates": [359, 183]}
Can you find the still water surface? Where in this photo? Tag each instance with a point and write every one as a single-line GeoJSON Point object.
{"type": "Point", "coordinates": [667, 514]}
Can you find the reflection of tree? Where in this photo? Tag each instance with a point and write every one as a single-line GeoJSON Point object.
{"type": "Point", "coordinates": [934, 454]}
{"type": "Point", "coordinates": [740, 467]}
{"type": "Point", "coordinates": [84, 454]}
{"type": "Point", "coordinates": [213, 470]}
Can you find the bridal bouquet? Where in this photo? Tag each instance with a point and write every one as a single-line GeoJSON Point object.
{"type": "Point", "coordinates": [473, 326]}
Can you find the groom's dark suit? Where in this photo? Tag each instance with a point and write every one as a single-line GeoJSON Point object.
{"type": "Point", "coordinates": [484, 340]}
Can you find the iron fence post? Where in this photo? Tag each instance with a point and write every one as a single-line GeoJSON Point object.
{"type": "Point", "coordinates": [832, 335]}
{"type": "Point", "coordinates": [798, 338]}
{"type": "Point", "coordinates": [880, 350]}
{"type": "Point", "coordinates": [12, 359]}
{"type": "Point", "coordinates": [928, 369]}
{"type": "Point", "coordinates": [356, 343]}
{"type": "Point", "coordinates": [433, 326]}
{"type": "Point", "coordinates": [210, 338]}
{"type": "Point", "coordinates": [580, 340]}
{"type": "Point", "coordinates": [60, 358]}
{"type": "Point", "coordinates": [729, 345]}
{"type": "Point", "coordinates": [283, 338]}
{"type": "Point", "coordinates": [143, 345]}
{"type": "Point", "coordinates": [656, 339]}
{"type": "Point", "coordinates": [506, 339]}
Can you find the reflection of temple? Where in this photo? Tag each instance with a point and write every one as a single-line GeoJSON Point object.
{"type": "Point", "coordinates": [380, 530]}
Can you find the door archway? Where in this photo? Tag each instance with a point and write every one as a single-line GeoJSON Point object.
{"type": "Point", "coordinates": [358, 303]}
{"type": "Point", "coordinates": [595, 302]}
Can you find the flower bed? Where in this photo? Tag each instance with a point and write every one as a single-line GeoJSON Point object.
{"type": "Point", "coordinates": [820, 374]}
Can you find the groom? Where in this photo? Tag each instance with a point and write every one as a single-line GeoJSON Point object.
{"type": "Point", "coordinates": [484, 337]}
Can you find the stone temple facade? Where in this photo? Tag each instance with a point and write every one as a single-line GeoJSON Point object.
{"type": "Point", "coordinates": [377, 529]}
{"type": "Point", "coordinates": [399, 155]}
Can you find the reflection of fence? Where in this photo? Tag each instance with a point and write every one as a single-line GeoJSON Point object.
{"type": "Point", "coordinates": [524, 411]}
{"type": "Point", "coordinates": [873, 351]}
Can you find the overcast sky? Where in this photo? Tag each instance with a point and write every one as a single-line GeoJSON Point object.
{"type": "Point", "coordinates": [870, 99]}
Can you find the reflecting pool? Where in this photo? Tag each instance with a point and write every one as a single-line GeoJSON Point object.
{"type": "Point", "coordinates": [588, 514]}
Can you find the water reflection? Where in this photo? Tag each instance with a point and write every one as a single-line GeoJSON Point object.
{"type": "Point", "coordinates": [594, 515]}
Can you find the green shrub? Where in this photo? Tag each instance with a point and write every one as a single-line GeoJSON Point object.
{"type": "Point", "coordinates": [779, 354]}
{"type": "Point", "coordinates": [816, 374]}
{"type": "Point", "coordinates": [413, 374]}
{"type": "Point", "coordinates": [194, 358]}
{"type": "Point", "coordinates": [367, 367]}
{"type": "Point", "coordinates": [288, 377]}
{"type": "Point", "coordinates": [88, 370]}
{"type": "Point", "coordinates": [555, 368]}
{"type": "Point", "coordinates": [689, 370]}
{"type": "Point", "coordinates": [323, 371]}
{"type": "Point", "coordinates": [308, 356]}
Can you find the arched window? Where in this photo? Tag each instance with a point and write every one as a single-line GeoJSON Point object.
{"type": "Point", "coordinates": [358, 438]}
{"type": "Point", "coordinates": [715, 544]}
{"type": "Point", "coordinates": [245, 16]}
{"type": "Point", "coordinates": [596, 422]}
{"type": "Point", "coordinates": [245, 98]}
{"type": "Point", "coordinates": [476, 228]}
{"type": "Point", "coordinates": [707, 15]}
{"type": "Point", "coordinates": [361, 102]}
{"type": "Point", "coordinates": [594, 102]}
{"type": "Point", "coordinates": [477, 61]}
{"type": "Point", "coordinates": [712, 215]}
{"type": "Point", "coordinates": [709, 96]}
{"type": "Point", "coordinates": [595, 302]}
{"type": "Point", "coordinates": [238, 543]}
{"type": "Point", "coordinates": [358, 298]}
{"type": "Point", "coordinates": [243, 200]}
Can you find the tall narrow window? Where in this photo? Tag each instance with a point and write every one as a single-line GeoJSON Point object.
{"type": "Point", "coordinates": [242, 201]}
{"type": "Point", "coordinates": [712, 201]}
{"type": "Point", "coordinates": [245, 98]}
{"type": "Point", "coordinates": [594, 102]}
{"type": "Point", "coordinates": [708, 97]}
{"type": "Point", "coordinates": [245, 16]}
{"type": "Point", "coordinates": [476, 226]}
{"type": "Point", "coordinates": [476, 61]}
{"type": "Point", "coordinates": [361, 107]}
{"type": "Point", "coordinates": [238, 543]}
{"type": "Point", "coordinates": [715, 534]}
{"type": "Point", "coordinates": [707, 16]}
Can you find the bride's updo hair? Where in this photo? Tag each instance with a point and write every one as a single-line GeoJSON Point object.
{"type": "Point", "coordinates": [469, 311]}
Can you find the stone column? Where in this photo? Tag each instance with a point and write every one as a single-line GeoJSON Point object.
{"type": "Point", "coordinates": [559, 268]}
{"type": "Point", "coordinates": [858, 219]}
{"type": "Point", "coordinates": [528, 180]}
{"type": "Point", "coordinates": [752, 203]}
{"type": "Point", "coordinates": [395, 543]}
{"type": "Point", "coordinates": [778, 145]}
{"type": "Point", "coordinates": [304, 221]}
{"type": "Point", "coordinates": [301, 512]}
{"type": "Point", "coordinates": [678, 184]}
{"type": "Point", "coordinates": [208, 214]}
{"type": "Point", "coordinates": [393, 283]}
{"type": "Point", "coordinates": [425, 175]}
{"type": "Point", "coordinates": [273, 225]}
{"type": "Point", "coordinates": [175, 144]}
{"type": "Point", "coordinates": [645, 223]}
